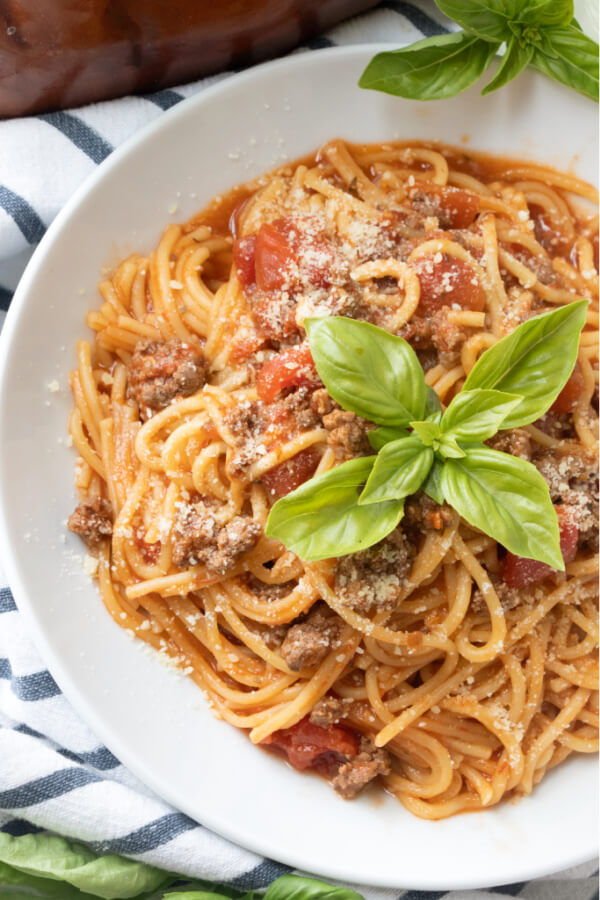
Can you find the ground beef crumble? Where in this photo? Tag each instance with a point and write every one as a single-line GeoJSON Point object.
{"type": "Point", "coordinates": [199, 539]}
{"type": "Point", "coordinates": [572, 480]}
{"type": "Point", "coordinates": [356, 774]}
{"type": "Point", "coordinates": [308, 643]}
{"type": "Point", "coordinates": [372, 578]}
{"type": "Point", "coordinates": [515, 441]}
{"type": "Point", "coordinates": [160, 371]}
{"type": "Point", "coordinates": [329, 710]}
{"type": "Point", "coordinates": [92, 521]}
{"type": "Point", "coordinates": [347, 434]}
{"type": "Point", "coordinates": [423, 513]}
{"type": "Point", "coordinates": [436, 331]}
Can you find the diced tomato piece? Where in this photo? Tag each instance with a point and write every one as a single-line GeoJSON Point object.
{"type": "Point", "coordinates": [447, 282]}
{"type": "Point", "coordinates": [291, 368]}
{"type": "Point", "coordinates": [306, 744]}
{"type": "Point", "coordinates": [518, 571]}
{"type": "Point", "coordinates": [275, 255]}
{"type": "Point", "coordinates": [460, 207]}
{"type": "Point", "coordinates": [291, 474]}
{"type": "Point", "coordinates": [244, 254]}
{"type": "Point", "coordinates": [570, 394]}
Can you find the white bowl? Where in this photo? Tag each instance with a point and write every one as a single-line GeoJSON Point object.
{"type": "Point", "coordinates": [155, 721]}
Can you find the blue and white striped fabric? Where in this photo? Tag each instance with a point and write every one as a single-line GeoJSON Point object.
{"type": "Point", "coordinates": [54, 775]}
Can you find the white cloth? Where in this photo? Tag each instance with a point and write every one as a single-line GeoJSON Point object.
{"type": "Point", "coordinates": [54, 775]}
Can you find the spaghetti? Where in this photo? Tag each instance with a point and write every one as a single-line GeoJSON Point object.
{"type": "Point", "coordinates": [454, 673]}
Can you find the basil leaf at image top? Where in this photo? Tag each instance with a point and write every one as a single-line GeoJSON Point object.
{"type": "Point", "coordinates": [489, 19]}
{"type": "Point", "coordinates": [368, 370]}
{"type": "Point", "coordinates": [516, 58]}
{"type": "Point", "coordinates": [506, 498]}
{"type": "Point", "coordinates": [542, 33]}
{"type": "Point", "coordinates": [296, 887]}
{"type": "Point", "coordinates": [574, 61]}
{"type": "Point", "coordinates": [322, 518]}
{"type": "Point", "coordinates": [399, 470]}
{"type": "Point", "coordinates": [477, 415]}
{"type": "Point", "coordinates": [379, 437]}
{"type": "Point", "coordinates": [534, 361]}
{"type": "Point", "coordinates": [432, 69]}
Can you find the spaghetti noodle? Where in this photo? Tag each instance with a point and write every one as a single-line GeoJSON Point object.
{"type": "Point", "coordinates": [454, 673]}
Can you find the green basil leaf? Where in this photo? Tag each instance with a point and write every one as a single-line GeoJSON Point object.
{"type": "Point", "coordinates": [547, 12]}
{"type": "Point", "coordinates": [488, 19]}
{"type": "Point", "coordinates": [432, 403]}
{"type": "Point", "coordinates": [16, 885]}
{"type": "Point", "coordinates": [46, 856]}
{"type": "Point", "coordinates": [516, 58]}
{"type": "Point", "coordinates": [399, 470]}
{"type": "Point", "coordinates": [433, 486]}
{"type": "Point", "coordinates": [368, 370]}
{"type": "Point", "coordinates": [448, 448]}
{"type": "Point", "coordinates": [477, 415]}
{"type": "Point", "coordinates": [432, 69]}
{"type": "Point", "coordinates": [575, 62]}
{"type": "Point", "coordinates": [198, 895]}
{"type": "Point", "coordinates": [379, 437]}
{"type": "Point", "coordinates": [506, 498]}
{"type": "Point", "coordinates": [428, 432]}
{"type": "Point", "coordinates": [322, 518]}
{"type": "Point", "coordinates": [296, 887]}
{"type": "Point", "coordinates": [534, 361]}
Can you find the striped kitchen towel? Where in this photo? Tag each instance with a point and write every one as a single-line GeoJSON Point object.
{"type": "Point", "coordinates": [54, 775]}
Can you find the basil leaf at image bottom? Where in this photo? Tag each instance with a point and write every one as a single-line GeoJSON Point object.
{"type": "Point", "coordinates": [296, 887]}
{"type": "Point", "coordinates": [37, 858]}
{"type": "Point", "coordinates": [507, 499]}
{"type": "Point", "coordinates": [322, 518]}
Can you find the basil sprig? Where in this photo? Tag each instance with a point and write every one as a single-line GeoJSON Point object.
{"type": "Point", "coordinates": [418, 446]}
{"type": "Point", "coordinates": [541, 33]}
